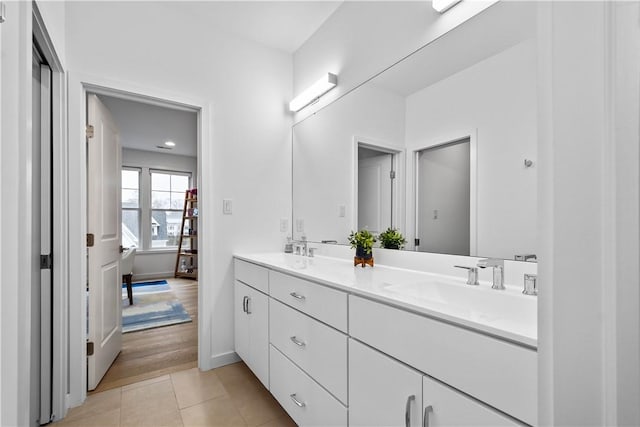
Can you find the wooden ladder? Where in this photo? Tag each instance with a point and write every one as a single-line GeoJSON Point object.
{"type": "Point", "coordinates": [187, 258]}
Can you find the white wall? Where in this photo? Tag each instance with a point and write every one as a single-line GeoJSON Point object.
{"type": "Point", "coordinates": [497, 98]}
{"type": "Point", "coordinates": [324, 153]}
{"type": "Point", "coordinates": [159, 263]}
{"type": "Point", "coordinates": [362, 38]}
{"type": "Point", "coordinates": [15, 214]}
{"type": "Point", "coordinates": [588, 190]}
{"type": "Point", "coordinates": [54, 17]}
{"type": "Point", "coordinates": [152, 45]}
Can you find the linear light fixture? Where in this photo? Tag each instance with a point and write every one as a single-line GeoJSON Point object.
{"type": "Point", "coordinates": [441, 6]}
{"type": "Point", "coordinates": [314, 92]}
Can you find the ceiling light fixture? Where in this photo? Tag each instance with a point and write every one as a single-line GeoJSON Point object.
{"type": "Point", "coordinates": [313, 93]}
{"type": "Point", "coordinates": [441, 6]}
{"type": "Point", "coordinates": [170, 143]}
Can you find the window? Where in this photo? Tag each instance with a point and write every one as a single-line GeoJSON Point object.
{"type": "Point", "coordinates": [130, 207]}
{"type": "Point", "coordinates": [167, 202]}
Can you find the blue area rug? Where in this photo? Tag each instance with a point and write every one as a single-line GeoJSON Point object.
{"type": "Point", "coordinates": [154, 305]}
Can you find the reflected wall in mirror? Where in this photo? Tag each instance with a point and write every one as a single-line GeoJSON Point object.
{"type": "Point", "coordinates": [477, 83]}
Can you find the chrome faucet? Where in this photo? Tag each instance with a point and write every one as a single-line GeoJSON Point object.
{"type": "Point", "coordinates": [472, 277]}
{"type": "Point", "coordinates": [498, 271]}
{"type": "Point", "coordinates": [302, 247]}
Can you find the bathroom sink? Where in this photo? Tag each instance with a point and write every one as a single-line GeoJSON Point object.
{"type": "Point", "coordinates": [506, 308]}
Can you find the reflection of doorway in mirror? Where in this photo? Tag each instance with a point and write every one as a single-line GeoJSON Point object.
{"type": "Point", "coordinates": [443, 194]}
{"type": "Point", "coordinates": [376, 192]}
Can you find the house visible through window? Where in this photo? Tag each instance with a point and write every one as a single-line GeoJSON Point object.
{"type": "Point", "coordinates": [167, 201]}
{"type": "Point", "coordinates": [131, 207]}
{"type": "Point", "coordinates": [152, 204]}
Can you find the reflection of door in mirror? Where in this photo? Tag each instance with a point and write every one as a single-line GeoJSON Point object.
{"type": "Point", "coordinates": [443, 192]}
{"type": "Point", "coordinates": [375, 179]}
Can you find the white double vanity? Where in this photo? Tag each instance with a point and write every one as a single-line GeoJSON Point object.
{"type": "Point", "coordinates": [340, 345]}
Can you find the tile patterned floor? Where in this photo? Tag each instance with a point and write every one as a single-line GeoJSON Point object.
{"type": "Point", "coordinates": [227, 396]}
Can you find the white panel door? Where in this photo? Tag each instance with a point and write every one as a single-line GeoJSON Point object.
{"type": "Point", "coordinates": [444, 406]}
{"type": "Point", "coordinates": [104, 222]}
{"type": "Point", "coordinates": [374, 193]}
{"type": "Point", "coordinates": [251, 329]}
{"type": "Point", "coordinates": [241, 326]}
{"type": "Point", "coordinates": [382, 392]}
{"type": "Point", "coordinates": [258, 313]}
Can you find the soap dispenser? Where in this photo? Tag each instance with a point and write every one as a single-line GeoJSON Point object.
{"type": "Point", "coordinates": [288, 247]}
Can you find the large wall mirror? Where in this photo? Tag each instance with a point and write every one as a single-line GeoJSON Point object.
{"type": "Point", "coordinates": [441, 146]}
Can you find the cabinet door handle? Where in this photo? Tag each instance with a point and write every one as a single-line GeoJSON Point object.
{"type": "Point", "coordinates": [297, 342]}
{"type": "Point", "coordinates": [244, 303]}
{"type": "Point", "coordinates": [407, 410]}
{"type": "Point", "coordinates": [296, 401]}
{"type": "Point", "coordinates": [248, 306]}
{"type": "Point", "coordinates": [425, 420]}
{"type": "Point", "coordinates": [297, 295]}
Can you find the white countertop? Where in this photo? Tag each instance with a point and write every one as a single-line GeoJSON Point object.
{"type": "Point", "coordinates": [506, 314]}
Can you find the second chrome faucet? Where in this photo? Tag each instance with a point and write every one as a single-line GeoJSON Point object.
{"type": "Point", "coordinates": [498, 271]}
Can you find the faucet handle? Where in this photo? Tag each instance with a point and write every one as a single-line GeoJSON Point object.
{"type": "Point", "coordinates": [312, 252]}
{"type": "Point", "coordinates": [472, 277]}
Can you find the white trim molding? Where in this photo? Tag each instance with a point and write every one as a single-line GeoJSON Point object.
{"type": "Point", "coordinates": [79, 86]}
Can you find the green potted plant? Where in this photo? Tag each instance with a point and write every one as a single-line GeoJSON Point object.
{"type": "Point", "coordinates": [363, 242]}
{"type": "Point", "coordinates": [391, 238]}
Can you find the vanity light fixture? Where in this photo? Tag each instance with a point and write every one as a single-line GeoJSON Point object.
{"type": "Point", "coordinates": [170, 143]}
{"type": "Point", "coordinates": [441, 6]}
{"type": "Point", "coordinates": [314, 92]}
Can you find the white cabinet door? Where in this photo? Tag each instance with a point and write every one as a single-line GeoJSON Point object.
{"type": "Point", "coordinates": [258, 313]}
{"type": "Point", "coordinates": [444, 406]}
{"type": "Point", "coordinates": [251, 331]}
{"type": "Point", "coordinates": [241, 327]}
{"type": "Point", "coordinates": [382, 391]}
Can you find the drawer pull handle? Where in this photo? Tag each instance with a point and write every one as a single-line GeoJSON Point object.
{"type": "Point", "coordinates": [244, 304]}
{"type": "Point", "coordinates": [248, 308]}
{"type": "Point", "coordinates": [407, 410]}
{"type": "Point", "coordinates": [427, 411]}
{"type": "Point", "coordinates": [296, 401]}
{"type": "Point", "coordinates": [297, 295]}
{"type": "Point", "coordinates": [298, 343]}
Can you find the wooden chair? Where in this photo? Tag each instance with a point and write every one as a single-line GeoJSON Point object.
{"type": "Point", "coordinates": [126, 268]}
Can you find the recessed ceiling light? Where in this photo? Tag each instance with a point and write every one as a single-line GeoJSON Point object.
{"type": "Point", "coordinates": [170, 143]}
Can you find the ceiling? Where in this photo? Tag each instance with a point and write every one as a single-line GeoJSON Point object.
{"type": "Point", "coordinates": [283, 25]}
{"type": "Point", "coordinates": [501, 26]}
{"type": "Point", "coordinates": [144, 126]}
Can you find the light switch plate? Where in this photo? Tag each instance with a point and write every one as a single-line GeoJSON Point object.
{"type": "Point", "coordinates": [300, 225]}
{"type": "Point", "coordinates": [227, 206]}
{"type": "Point", "coordinates": [284, 225]}
{"type": "Point", "coordinates": [342, 211]}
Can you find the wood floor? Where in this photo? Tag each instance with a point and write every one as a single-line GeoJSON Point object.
{"type": "Point", "coordinates": [160, 351]}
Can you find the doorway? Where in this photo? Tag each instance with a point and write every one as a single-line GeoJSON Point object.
{"type": "Point", "coordinates": [443, 198]}
{"type": "Point", "coordinates": [42, 240]}
{"type": "Point", "coordinates": [153, 178]}
{"type": "Point", "coordinates": [377, 191]}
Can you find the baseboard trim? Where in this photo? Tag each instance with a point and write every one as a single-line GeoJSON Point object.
{"type": "Point", "coordinates": [220, 360]}
{"type": "Point", "coordinates": [152, 276]}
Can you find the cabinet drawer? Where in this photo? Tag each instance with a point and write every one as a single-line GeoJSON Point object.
{"type": "Point", "coordinates": [325, 304]}
{"type": "Point", "coordinates": [502, 374]}
{"type": "Point", "coordinates": [314, 407]}
{"type": "Point", "coordinates": [445, 406]}
{"type": "Point", "coordinates": [253, 275]}
{"type": "Point", "coordinates": [318, 350]}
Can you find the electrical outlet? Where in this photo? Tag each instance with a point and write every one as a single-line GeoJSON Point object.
{"type": "Point", "coordinates": [300, 225]}
{"type": "Point", "coordinates": [284, 225]}
{"type": "Point", "coordinates": [227, 206]}
{"type": "Point", "coordinates": [342, 211]}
